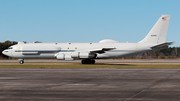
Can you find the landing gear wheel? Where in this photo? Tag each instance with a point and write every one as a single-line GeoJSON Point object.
{"type": "Point", "coordinates": [21, 61]}
{"type": "Point", "coordinates": [83, 61]}
{"type": "Point", "coordinates": [88, 61]}
{"type": "Point", "coordinates": [92, 61]}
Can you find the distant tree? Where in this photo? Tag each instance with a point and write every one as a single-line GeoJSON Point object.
{"type": "Point", "coordinates": [168, 53]}
{"type": "Point", "coordinates": [4, 46]}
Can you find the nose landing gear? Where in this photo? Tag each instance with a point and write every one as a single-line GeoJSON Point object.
{"type": "Point", "coordinates": [21, 61]}
{"type": "Point", "coordinates": [88, 61]}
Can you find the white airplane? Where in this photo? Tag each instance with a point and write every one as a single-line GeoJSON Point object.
{"type": "Point", "coordinates": [87, 52]}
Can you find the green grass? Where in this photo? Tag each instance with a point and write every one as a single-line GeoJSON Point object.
{"type": "Point", "coordinates": [89, 66]}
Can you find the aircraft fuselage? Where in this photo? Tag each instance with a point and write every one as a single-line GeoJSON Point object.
{"type": "Point", "coordinates": [48, 50]}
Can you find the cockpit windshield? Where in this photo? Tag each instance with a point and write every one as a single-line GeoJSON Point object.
{"type": "Point", "coordinates": [10, 48]}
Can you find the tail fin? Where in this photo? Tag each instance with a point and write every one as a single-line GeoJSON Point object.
{"type": "Point", "coordinates": [157, 35]}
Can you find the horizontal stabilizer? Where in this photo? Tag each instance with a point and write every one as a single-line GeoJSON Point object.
{"type": "Point", "coordinates": [162, 45]}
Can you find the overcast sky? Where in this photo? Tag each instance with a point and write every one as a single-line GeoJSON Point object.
{"type": "Point", "coordinates": [85, 20]}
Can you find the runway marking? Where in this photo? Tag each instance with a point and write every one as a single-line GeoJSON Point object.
{"type": "Point", "coordinates": [157, 81]}
{"type": "Point", "coordinates": [81, 84]}
{"type": "Point", "coordinates": [176, 85]}
{"type": "Point", "coordinates": [7, 78]}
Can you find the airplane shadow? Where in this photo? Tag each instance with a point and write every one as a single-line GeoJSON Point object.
{"type": "Point", "coordinates": [120, 64]}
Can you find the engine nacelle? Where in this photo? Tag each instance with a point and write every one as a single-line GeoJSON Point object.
{"type": "Point", "coordinates": [82, 55]}
{"type": "Point", "coordinates": [62, 56]}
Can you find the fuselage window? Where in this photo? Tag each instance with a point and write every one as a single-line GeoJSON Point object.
{"type": "Point", "coordinates": [68, 49]}
{"type": "Point", "coordinates": [10, 48]}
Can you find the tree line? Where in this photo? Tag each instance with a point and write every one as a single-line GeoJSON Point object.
{"type": "Point", "coordinates": [168, 53]}
{"type": "Point", "coordinates": [5, 45]}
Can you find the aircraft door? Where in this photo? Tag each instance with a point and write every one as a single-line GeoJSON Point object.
{"type": "Point", "coordinates": [19, 48]}
{"type": "Point", "coordinates": [11, 52]}
{"type": "Point", "coordinates": [137, 48]}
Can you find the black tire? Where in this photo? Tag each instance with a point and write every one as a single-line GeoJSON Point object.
{"type": "Point", "coordinates": [92, 61]}
{"type": "Point", "coordinates": [21, 62]}
{"type": "Point", "coordinates": [83, 61]}
{"type": "Point", "coordinates": [88, 61]}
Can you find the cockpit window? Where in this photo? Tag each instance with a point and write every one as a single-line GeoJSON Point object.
{"type": "Point", "coordinates": [10, 48]}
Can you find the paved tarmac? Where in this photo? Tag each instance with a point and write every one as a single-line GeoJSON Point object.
{"type": "Point", "coordinates": [89, 84]}
{"type": "Point", "coordinates": [109, 61]}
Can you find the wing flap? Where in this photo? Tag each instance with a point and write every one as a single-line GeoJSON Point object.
{"type": "Point", "coordinates": [101, 50]}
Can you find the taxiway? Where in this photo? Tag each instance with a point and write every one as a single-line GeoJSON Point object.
{"type": "Point", "coordinates": [89, 84]}
{"type": "Point", "coordinates": [109, 61]}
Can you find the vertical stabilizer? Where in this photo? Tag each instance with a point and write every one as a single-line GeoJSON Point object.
{"type": "Point", "coordinates": [158, 33]}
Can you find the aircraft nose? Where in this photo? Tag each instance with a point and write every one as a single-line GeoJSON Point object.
{"type": "Point", "coordinates": [6, 52]}
{"type": "Point", "coordinates": [3, 52]}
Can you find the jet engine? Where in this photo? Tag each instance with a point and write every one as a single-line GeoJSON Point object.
{"type": "Point", "coordinates": [74, 55]}
{"type": "Point", "coordinates": [83, 55]}
{"type": "Point", "coordinates": [62, 56]}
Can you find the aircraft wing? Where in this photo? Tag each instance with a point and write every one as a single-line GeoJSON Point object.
{"type": "Point", "coordinates": [101, 50]}
{"type": "Point", "coordinates": [162, 45]}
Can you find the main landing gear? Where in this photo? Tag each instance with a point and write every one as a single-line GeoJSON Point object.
{"type": "Point", "coordinates": [88, 61]}
{"type": "Point", "coordinates": [21, 61]}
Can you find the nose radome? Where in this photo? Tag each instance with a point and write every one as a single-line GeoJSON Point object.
{"type": "Point", "coordinates": [6, 52]}
{"type": "Point", "coordinates": [3, 52]}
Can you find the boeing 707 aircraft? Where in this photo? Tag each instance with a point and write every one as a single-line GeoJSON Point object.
{"type": "Point", "coordinates": [88, 52]}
